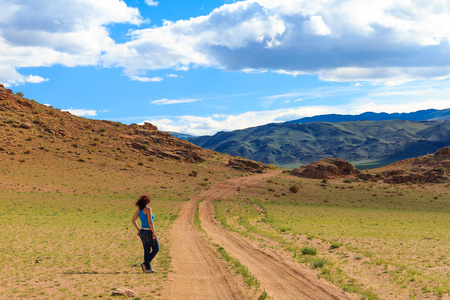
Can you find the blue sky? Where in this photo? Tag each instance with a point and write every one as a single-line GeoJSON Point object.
{"type": "Point", "coordinates": [199, 67]}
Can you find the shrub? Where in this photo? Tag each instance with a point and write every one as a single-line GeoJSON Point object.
{"type": "Point", "coordinates": [441, 170]}
{"type": "Point", "coordinates": [335, 245]}
{"type": "Point", "coordinates": [309, 251]}
{"type": "Point", "coordinates": [294, 188]}
{"type": "Point", "coordinates": [20, 94]}
{"type": "Point", "coordinates": [325, 181]}
{"type": "Point", "coordinates": [319, 263]}
{"type": "Point", "coordinates": [347, 181]}
{"type": "Point", "coordinates": [263, 296]}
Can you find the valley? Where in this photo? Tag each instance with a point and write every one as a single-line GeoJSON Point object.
{"type": "Point", "coordinates": [68, 187]}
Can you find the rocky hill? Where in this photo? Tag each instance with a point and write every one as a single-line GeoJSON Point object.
{"type": "Point", "coordinates": [29, 130]}
{"type": "Point", "coordinates": [433, 167]}
{"type": "Point", "coordinates": [363, 143]}
{"type": "Point", "coordinates": [430, 168]}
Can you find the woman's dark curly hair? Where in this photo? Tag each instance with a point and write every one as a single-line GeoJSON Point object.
{"type": "Point", "coordinates": [143, 201]}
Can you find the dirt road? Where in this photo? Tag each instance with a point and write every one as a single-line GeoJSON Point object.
{"type": "Point", "coordinates": [198, 274]}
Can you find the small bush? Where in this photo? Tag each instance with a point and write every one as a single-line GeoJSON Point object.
{"type": "Point", "coordinates": [309, 251]}
{"type": "Point", "coordinates": [20, 94]}
{"type": "Point", "coordinates": [294, 188]}
{"type": "Point", "coordinates": [263, 296]}
{"type": "Point", "coordinates": [348, 181]}
{"type": "Point", "coordinates": [441, 170]}
{"type": "Point", "coordinates": [319, 263]}
{"type": "Point", "coordinates": [335, 245]}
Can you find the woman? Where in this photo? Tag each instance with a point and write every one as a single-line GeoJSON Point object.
{"type": "Point", "coordinates": [146, 232]}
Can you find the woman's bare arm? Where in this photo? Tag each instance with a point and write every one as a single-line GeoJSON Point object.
{"type": "Point", "coordinates": [133, 220]}
{"type": "Point", "coordinates": [148, 212]}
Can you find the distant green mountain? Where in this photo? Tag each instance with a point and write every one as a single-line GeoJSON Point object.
{"type": "Point", "coordinates": [183, 136]}
{"type": "Point", "coordinates": [366, 144]}
{"type": "Point", "coordinates": [421, 115]}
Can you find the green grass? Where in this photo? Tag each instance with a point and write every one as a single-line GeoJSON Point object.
{"type": "Point", "coordinates": [308, 250]}
{"type": "Point", "coordinates": [250, 279]}
{"type": "Point", "coordinates": [399, 233]}
{"type": "Point", "coordinates": [67, 246]}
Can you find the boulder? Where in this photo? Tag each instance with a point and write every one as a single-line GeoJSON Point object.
{"type": "Point", "coordinates": [124, 292]}
{"type": "Point", "coordinates": [327, 168]}
{"type": "Point", "coordinates": [247, 165]}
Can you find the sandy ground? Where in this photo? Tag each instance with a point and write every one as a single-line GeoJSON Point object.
{"type": "Point", "coordinates": [199, 274]}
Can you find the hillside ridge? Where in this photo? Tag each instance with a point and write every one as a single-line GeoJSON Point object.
{"type": "Point", "coordinates": [30, 126]}
{"type": "Point", "coordinates": [290, 144]}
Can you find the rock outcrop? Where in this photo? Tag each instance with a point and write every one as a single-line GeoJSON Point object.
{"type": "Point", "coordinates": [327, 168]}
{"type": "Point", "coordinates": [247, 165]}
{"type": "Point", "coordinates": [123, 292]}
{"type": "Point", "coordinates": [429, 168]}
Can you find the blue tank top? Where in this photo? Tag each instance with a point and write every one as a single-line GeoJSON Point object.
{"type": "Point", "coordinates": [144, 219]}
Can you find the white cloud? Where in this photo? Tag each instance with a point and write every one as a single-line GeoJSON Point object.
{"type": "Point", "coordinates": [389, 42]}
{"type": "Point", "coordinates": [177, 101]}
{"type": "Point", "coordinates": [9, 77]}
{"type": "Point", "coordinates": [146, 79]}
{"type": "Point", "coordinates": [151, 2]}
{"type": "Point", "coordinates": [317, 26]}
{"type": "Point", "coordinates": [70, 33]}
{"type": "Point", "coordinates": [81, 112]}
{"type": "Point", "coordinates": [35, 79]}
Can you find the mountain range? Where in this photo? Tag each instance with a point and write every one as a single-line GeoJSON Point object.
{"type": "Point", "coordinates": [364, 143]}
{"type": "Point", "coordinates": [421, 115]}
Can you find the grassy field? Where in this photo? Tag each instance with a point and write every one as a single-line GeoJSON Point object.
{"type": "Point", "coordinates": [66, 246]}
{"type": "Point", "coordinates": [66, 227]}
{"type": "Point", "coordinates": [378, 240]}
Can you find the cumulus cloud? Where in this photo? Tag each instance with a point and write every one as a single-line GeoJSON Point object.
{"type": "Point", "coordinates": [9, 77]}
{"type": "Point", "coordinates": [146, 79]}
{"type": "Point", "coordinates": [151, 2]}
{"type": "Point", "coordinates": [35, 79]}
{"type": "Point", "coordinates": [389, 42]}
{"type": "Point", "coordinates": [177, 101]}
{"type": "Point", "coordinates": [382, 41]}
{"type": "Point", "coordinates": [70, 33]}
{"type": "Point", "coordinates": [81, 112]}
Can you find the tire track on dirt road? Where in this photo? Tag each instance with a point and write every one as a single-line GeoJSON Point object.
{"type": "Point", "coordinates": [279, 276]}
{"type": "Point", "coordinates": [198, 273]}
